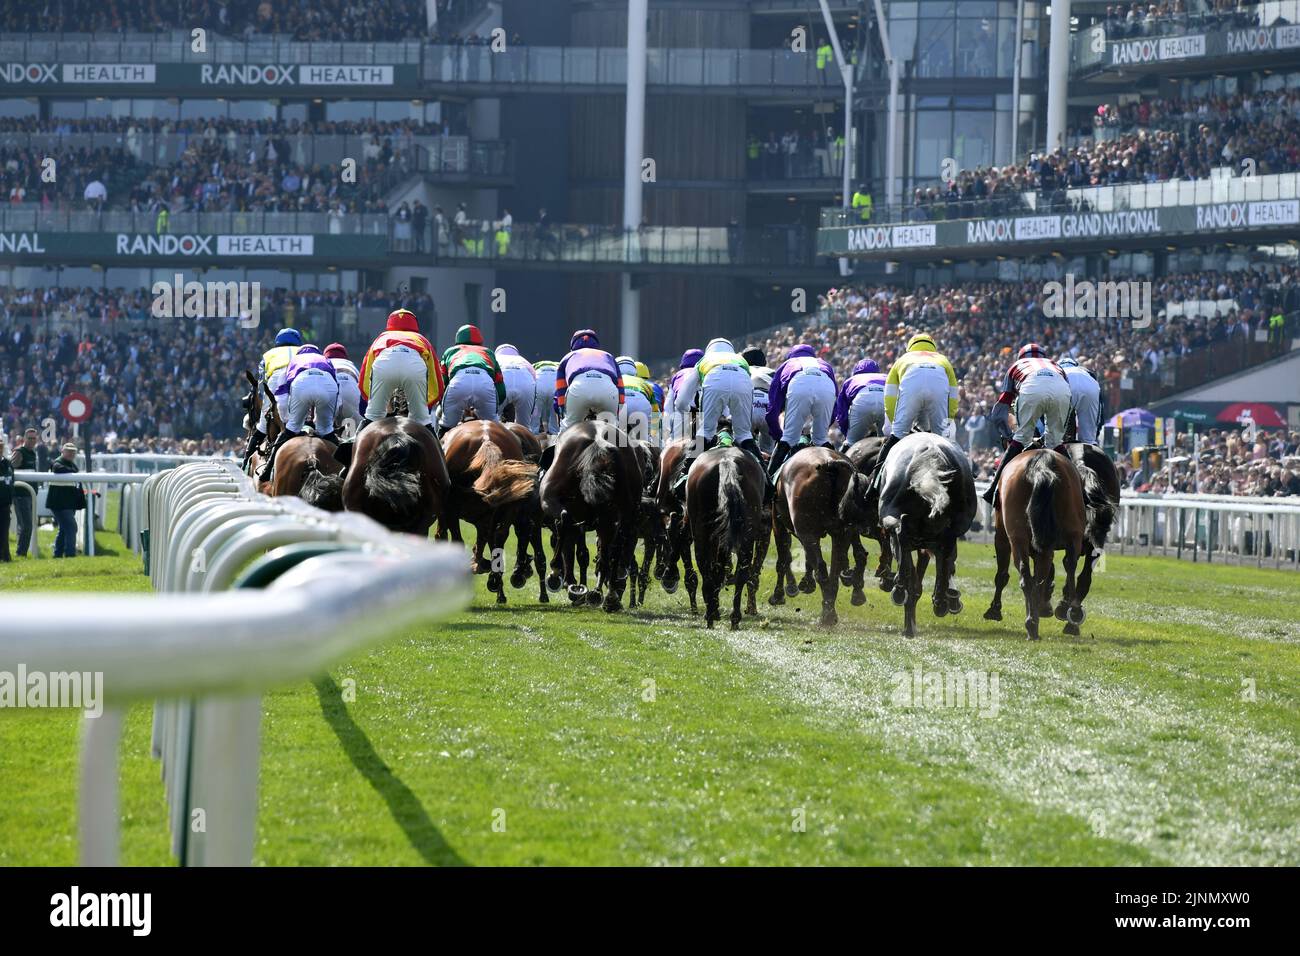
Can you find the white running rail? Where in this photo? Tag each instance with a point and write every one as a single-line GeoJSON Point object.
{"type": "Point", "coordinates": [206, 653]}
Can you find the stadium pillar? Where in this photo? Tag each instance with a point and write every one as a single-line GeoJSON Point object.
{"type": "Point", "coordinates": [633, 155]}
{"type": "Point", "coordinates": [1058, 74]}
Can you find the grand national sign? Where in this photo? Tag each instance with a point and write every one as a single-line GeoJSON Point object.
{"type": "Point", "coordinates": [1134, 222]}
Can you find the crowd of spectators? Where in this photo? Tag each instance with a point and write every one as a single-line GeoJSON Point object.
{"type": "Point", "coordinates": [1149, 141]}
{"type": "Point", "coordinates": [333, 21]}
{"type": "Point", "coordinates": [1127, 21]}
{"type": "Point", "coordinates": [1223, 462]}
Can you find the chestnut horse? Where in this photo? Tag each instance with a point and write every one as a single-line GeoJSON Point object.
{"type": "Point", "coordinates": [724, 500]}
{"type": "Point", "coordinates": [305, 466]}
{"type": "Point", "coordinates": [397, 475]}
{"type": "Point", "coordinates": [676, 544]}
{"type": "Point", "coordinates": [490, 480]}
{"type": "Point", "coordinates": [927, 501]}
{"type": "Point", "coordinates": [1040, 510]}
{"type": "Point", "coordinates": [818, 493]}
{"type": "Point", "coordinates": [594, 482]}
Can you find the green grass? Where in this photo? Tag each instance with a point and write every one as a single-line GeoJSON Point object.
{"type": "Point", "coordinates": [1135, 743]}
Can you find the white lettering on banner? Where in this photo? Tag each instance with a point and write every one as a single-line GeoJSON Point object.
{"type": "Point", "coordinates": [168, 245]}
{"type": "Point", "coordinates": [1287, 37]}
{"type": "Point", "coordinates": [109, 73]}
{"type": "Point", "coordinates": [28, 73]}
{"type": "Point", "coordinates": [266, 245]}
{"type": "Point", "coordinates": [988, 230]}
{"type": "Point", "coordinates": [1182, 48]}
{"type": "Point", "coordinates": [1132, 51]}
{"type": "Point", "coordinates": [20, 242]}
{"type": "Point", "coordinates": [1281, 212]}
{"type": "Point", "coordinates": [912, 236]}
{"type": "Point", "coordinates": [1228, 215]}
{"type": "Point", "coordinates": [345, 75]}
{"type": "Point", "coordinates": [866, 238]}
{"type": "Point", "coordinates": [236, 75]}
{"type": "Point", "coordinates": [1247, 41]}
{"type": "Point", "coordinates": [1038, 227]}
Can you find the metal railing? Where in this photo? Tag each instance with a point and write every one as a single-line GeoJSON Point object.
{"type": "Point", "coordinates": [208, 654]}
{"type": "Point", "coordinates": [178, 48]}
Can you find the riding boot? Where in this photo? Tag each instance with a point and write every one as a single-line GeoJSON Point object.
{"type": "Point", "coordinates": [879, 468]}
{"type": "Point", "coordinates": [1013, 448]}
{"type": "Point", "coordinates": [268, 467]}
{"type": "Point", "coordinates": [780, 452]}
{"type": "Point", "coordinates": [253, 441]}
{"type": "Point", "coordinates": [751, 446]}
{"type": "Point", "coordinates": [679, 486]}
{"type": "Point", "coordinates": [544, 463]}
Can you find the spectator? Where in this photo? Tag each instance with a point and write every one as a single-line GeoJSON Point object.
{"type": "Point", "coordinates": [6, 499]}
{"type": "Point", "coordinates": [64, 500]}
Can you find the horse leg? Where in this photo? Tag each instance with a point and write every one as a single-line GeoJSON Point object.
{"type": "Point", "coordinates": [710, 563]}
{"type": "Point", "coordinates": [499, 532]}
{"type": "Point", "coordinates": [942, 578]}
{"type": "Point", "coordinates": [584, 556]}
{"type": "Point", "coordinates": [857, 576]}
{"type": "Point", "coordinates": [760, 545]}
{"type": "Point", "coordinates": [539, 558]}
{"type": "Point", "coordinates": [886, 562]}
{"type": "Point", "coordinates": [1074, 613]}
{"type": "Point", "coordinates": [1030, 590]}
{"type": "Point", "coordinates": [812, 562]}
{"type": "Point", "coordinates": [831, 586]}
{"type": "Point", "coordinates": [632, 579]}
{"type": "Point", "coordinates": [1046, 584]}
{"type": "Point", "coordinates": [909, 578]}
{"type": "Point", "coordinates": [1002, 548]}
{"type": "Point", "coordinates": [692, 580]}
{"type": "Point", "coordinates": [669, 577]}
{"type": "Point", "coordinates": [743, 570]}
{"type": "Point", "coordinates": [782, 535]}
{"type": "Point", "coordinates": [651, 547]}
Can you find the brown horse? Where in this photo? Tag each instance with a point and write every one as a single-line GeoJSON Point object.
{"type": "Point", "coordinates": [724, 499]}
{"type": "Point", "coordinates": [305, 466]}
{"type": "Point", "coordinates": [490, 480]}
{"type": "Point", "coordinates": [818, 493]}
{"type": "Point", "coordinates": [677, 544]}
{"type": "Point", "coordinates": [926, 502]}
{"type": "Point", "coordinates": [1040, 510]}
{"type": "Point", "coordinates": [397, 475]}
{"type": "Point", "coordinates": [260, 396]}
{"type": "Point", "coordinates": [863, 454]}
{"type": "Point", "coordinates": [1101, 490]}
{"type": "Point", "coordinates": [594, 482]}
{"type": "Point", "coordinates": [649, 523]}
{"type": "Point", "coordinates": [529, 522]}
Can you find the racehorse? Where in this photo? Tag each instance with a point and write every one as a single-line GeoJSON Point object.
{"type": "Point", "coordinates": [649, 522]}
{"type": "Point", "coordinates": [397, 475]}
{"type": "Point", "coordinates": [863, 454]}
{"type": "Point", "coordinates": [1040, 510]}
{"type": "Point", "coordinates": [594, 482]}
{"type": "Point", "coordinates": [489, 482]}
{"type": "Point", "coordinates": [676, 544]}
{"type": "Point", "coordinates": [529, 521]}
{"type": "Point", "coordinates": [724, 499]}
{"type": "Point", "coordinates": [927, 501]}
{"type": "Point", "coordinates": [1100, 505]}
{"type": "Point", "coordinates": [818, 493]}
{"type": "Point", "coordinates": [259, 393]}
{"type": "Point", "coordinates": [305, 466]}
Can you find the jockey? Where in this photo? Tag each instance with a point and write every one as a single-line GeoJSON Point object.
{"type": "Point", "coordinates": [521, 383]}
{"type": "Point", "coordinates": [351, 404]}
{"type": "Point", "coordinates": [760, 380]}
{"type": "Point", "coordinates": [803, 387]}
{"type": "Point", "coordinates": [638, 399]}
{"type": "Point", "coordinates": [401, 358]}
{"type": "Point", "coordinates": [725, 392]}
{"type": "Point", "coordinates": [921, 390]}
{"type": "Point", "coordinates": [310, 385]}
{"type": "Point", "coordinates": [681, 394]}
{"type": "Point", "coordinates": [587, 381]}
{"type": "Point", "coordinates": [1085, 401]}
{"type": "Point", "coordinates": [545, 421]}
{"type": "Point", "coordinates": [861, 404]}
{"type": "Point", "coordinates": [1039, 389]}
{"type": "Point", "coordinates": [473, 378]}
{"type": "Point", "coordinates": [270, 370]}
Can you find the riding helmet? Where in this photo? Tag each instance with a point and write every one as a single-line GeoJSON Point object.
{"type": "Point", "coordinates": [1032, 350]}
{"type": "Point", "coordinates": [584, 339]}
{"type": "Point", "coordinates": [288, 336]}
{"type": "Point", "coordinates": [921, 342]}
{"type": "Point", "coordinates": [336, 350]}
{"type": "Point", "coordinates": [402, 320]}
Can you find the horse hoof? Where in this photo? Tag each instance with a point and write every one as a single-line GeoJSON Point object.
{"type": "Point", "coordinates": [735, 624]}
{"type": "Point", "coordinates": [612, 605]}
{"type": "Point", "coordinates": [940, 608]}
{"type": "Point", "coordinates": [518, 580]}
{"type": "Point", "coordinates": [859, 598]}
{"type": "Point", "coordinates": [501, 596]}
{"type": "Point", "coordinates": [594, 597]}
{"type": "Point", "coordinates": [1031, 628]}
{"type": "Point", "coordinates": [777, 598]}
{"type": "Point", "coordinates": [553, 583]}
{"type": "Point", "coordinates": [1075, 614]}
{"type": "Point", "coordinates": [885, 583]}
{"type": "Point", "coordinates": [543, 597]}
{"type": "Point", "coordinates": [791, 589]}
{"type": "Point", "coordinates": [993, 614]}
{"type": "Point", "coordinates": [670, 587]}
{"type": "Point", "coordinates": [807, 586]}
{"type": "Point", "coordinates": [899, 596]}
{"type": "Point", "coordinates": [1071, 630]}
{"type": "Point", "coordinates": [846, 578]}
{"type": "Point", "coordinates": [1061, 610]}
{"type": "Point", "coordinates": [830, 618]}
{"type": "Point", "coordinates": [954, 605]}
{"type": "Point", "coordinates": [576, 593]}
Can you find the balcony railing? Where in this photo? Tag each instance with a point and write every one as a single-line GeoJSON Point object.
{"type": "Point", "coordinates": [31, 218]}
{"type": "Point", "coordinates": [178, 48]}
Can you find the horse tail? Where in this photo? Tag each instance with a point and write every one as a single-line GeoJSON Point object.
{"type": "Point", "coordinates": [595, 467]}
{"type": "Point", "coordinates": [1042, 511]}
{"type": "Point", "coordinates": [1099, 510]}
{"type": "Point", "coordinates": [729, 522]}
{"type": "Point", "coordinates": [841, 472]}
{"type": "Point", "coordinates": [393, 471]}
{"type": "Point", "coordinates": [928, 475]}
{"type": "Point", "coordinates": [501, 482]}
{"type": "Point", "coordinates": [322, 491]}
